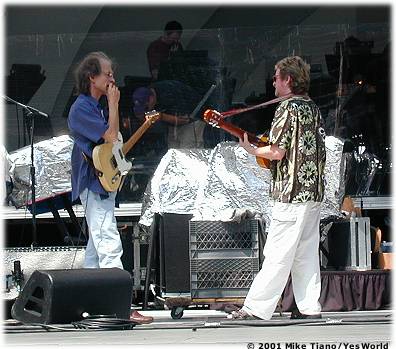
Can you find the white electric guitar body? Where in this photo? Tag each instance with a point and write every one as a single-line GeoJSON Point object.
{"type": "Point", "coordinates": [109, 158]}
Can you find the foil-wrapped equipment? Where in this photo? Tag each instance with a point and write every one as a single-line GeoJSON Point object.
{"type": "Point", "coordinates": [52, 170]}
{"type": "Point", "coordinates": [226, 184]}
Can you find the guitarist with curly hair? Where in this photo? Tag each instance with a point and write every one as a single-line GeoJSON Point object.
{"type": "Point", "coordinates": [90, 125]}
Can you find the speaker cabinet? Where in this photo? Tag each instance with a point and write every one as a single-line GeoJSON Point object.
{"type": "Point", "coordinates": [62, 296]}
{"type": "Point", "coordinates": [349, 245]}
{"type": "Point", "coordinates": [174, 252]}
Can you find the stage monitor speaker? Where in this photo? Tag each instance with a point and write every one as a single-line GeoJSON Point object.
{"type": "Point", "coordinates": [63, 296]}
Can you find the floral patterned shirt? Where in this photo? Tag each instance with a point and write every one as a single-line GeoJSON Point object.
{"type": "Point", "coordinates": [296, 128]}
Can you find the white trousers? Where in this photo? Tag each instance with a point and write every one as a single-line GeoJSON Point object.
{"type": "Point", "coordinates": [292, 246]}
{"type": "Point", "coordinates": [104, 248]}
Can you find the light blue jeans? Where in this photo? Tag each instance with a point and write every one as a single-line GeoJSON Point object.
{"type": "Point", "coordinates": [104, 248]}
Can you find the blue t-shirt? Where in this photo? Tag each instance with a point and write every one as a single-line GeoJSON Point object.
{"type": "Point", "coordinates": [87, 123]}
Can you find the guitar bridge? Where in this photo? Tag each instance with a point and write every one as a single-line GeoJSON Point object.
{"type": "Point", "coordinates": [116, 177]}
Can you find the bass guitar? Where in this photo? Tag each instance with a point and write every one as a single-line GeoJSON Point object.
{"type": "Point", "coordinates": [215, 119]}
{"type": "Point", "coordinates": [109, 158]}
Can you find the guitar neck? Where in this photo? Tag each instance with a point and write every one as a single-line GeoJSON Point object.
{"type": "Point", "coordinates": [136, 136]}
{"type": "Point", "coordinates": [238, 132]}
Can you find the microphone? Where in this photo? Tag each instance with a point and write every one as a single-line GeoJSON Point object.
{"type": "Point", "coordinates": [17, 274]}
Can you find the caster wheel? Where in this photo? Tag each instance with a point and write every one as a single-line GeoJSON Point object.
{"type": "Point", "coordinates": [177, 312]}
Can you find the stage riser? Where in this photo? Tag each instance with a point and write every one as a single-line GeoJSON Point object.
{"type": "Point", "coordinates": [349, 290]}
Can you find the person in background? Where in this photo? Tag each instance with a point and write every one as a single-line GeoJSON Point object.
{"type": "Point", "coordinates": [90, 125]}
{"type": "Point", "coordinates": [7, 189]}
{"type": "Point", "coordinates": [160, 49]}
{"type": "Point", "coordinates": [297, 154]}
{"type": "Point", "coordinates": [175, 101]}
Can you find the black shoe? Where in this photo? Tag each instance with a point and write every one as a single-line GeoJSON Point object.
{"type": "Point", "coordinates": [296, 315]}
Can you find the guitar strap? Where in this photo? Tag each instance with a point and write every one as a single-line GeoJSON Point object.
{"type": "Point", "coordinates": [272, 101]}
{"type": "Point", "coordinates": [96, 171]}
{"type": "Point", "coordinates": [90, 162]}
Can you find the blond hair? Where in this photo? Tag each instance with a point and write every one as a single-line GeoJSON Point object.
{"type": "Point", "coordinates": [298, 70]}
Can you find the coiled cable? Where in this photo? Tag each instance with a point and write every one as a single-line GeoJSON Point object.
{"type": "Point", "coordinates": [104, 323]}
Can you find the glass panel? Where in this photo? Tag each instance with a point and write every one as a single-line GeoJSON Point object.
{"type": "Point", "coordinates": [349, 82]}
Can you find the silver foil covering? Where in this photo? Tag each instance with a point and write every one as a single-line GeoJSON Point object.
{"type": "Point", "coordinates": [226, 184]}
{"type": "Point", "coordinates": [174, 185]}
{"type": "Point", "coordinates": [334, 178]}
{"type": "Point", "coordinates": [235, 186]}
{"type": "Point", "coordinates": [52, 170]}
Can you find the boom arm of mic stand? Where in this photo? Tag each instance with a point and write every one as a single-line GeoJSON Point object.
{"type": "Point", "coordinates": [34, 110]}
{"type": "Point", "coordinates": [27, 107]}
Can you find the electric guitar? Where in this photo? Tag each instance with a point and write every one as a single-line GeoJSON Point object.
{"type": "Point", "coordinates": [109, 158]}
{"type": "Point", "coordinates": [214, 118]}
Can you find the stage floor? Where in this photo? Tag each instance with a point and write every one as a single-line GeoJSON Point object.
{"type": "Point", "coordinates": [211, 328]}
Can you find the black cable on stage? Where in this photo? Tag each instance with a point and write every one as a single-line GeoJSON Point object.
{"type": "Point", "coordinates": [305, 322]}
{"type": "Point", "coordinates": [36, 327]}
{"type": "Point", "coordinates": [92, 323]}
{"type": "Point", "coordinates": [104, 323]}
{"type": "Point", "coordinates": [109, 322]}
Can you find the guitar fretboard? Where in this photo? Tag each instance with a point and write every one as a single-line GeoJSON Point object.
{"type": "Point", "coordinates": [136, 136]}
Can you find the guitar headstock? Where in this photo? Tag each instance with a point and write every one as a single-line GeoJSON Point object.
{"type": "Point", "coordinates": [212, 117]}
{"type": "Point", "coordinates": [152, 116]}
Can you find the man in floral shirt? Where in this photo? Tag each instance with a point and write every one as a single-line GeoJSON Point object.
{"type": "Point", "coordinates": [297, 154]}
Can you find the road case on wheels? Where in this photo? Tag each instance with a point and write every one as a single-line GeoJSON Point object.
{"type": "Point", "coordinates": [206, 262]}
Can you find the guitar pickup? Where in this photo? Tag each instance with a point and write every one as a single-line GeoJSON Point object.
{"type": "Point", "coordinates": [113, 162]}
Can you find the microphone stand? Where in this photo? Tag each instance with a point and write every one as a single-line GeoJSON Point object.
{"type": "Point", "coordinates": [31, 112]}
